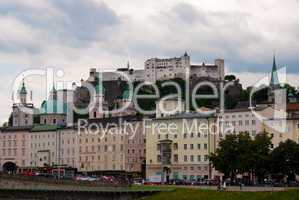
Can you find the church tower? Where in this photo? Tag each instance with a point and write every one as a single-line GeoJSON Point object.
{"type": "Point", "coordinates": [23, 94]}
{"type": "Point", "coordinates": [274, 82]}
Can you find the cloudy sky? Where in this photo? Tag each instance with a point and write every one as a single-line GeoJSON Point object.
{"type": "Point", "coordinates": [75, 35]}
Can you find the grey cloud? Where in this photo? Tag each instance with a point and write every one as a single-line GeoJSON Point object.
{"type": "Point", "coordinates": [17, 47]}
{"type": "Point", "coordinates": [75, 23]}
{"type": "Point", "coordinates": [188, 14]}
{"type": "Point", "coordinates": [84, 19]}
{"type": "Point", "coordinates": [230, 35]}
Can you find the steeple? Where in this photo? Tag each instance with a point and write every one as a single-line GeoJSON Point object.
{"type": "Point", "coordinates": [186, 54]}
{"type": "Point", "coordinates": [23, 88]}
{"type": "Point", "coordinates": [53, 94]}
{"type": "Point", "coordinates": [23, 93]}
{"type": "Point", "coordinates": [274, 76]}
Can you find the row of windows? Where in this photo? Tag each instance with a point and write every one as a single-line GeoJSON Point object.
{"type": "Point", "coordinates": [190, 158]}
{"type": "Point", "coordinates": [240, 123]}
{"type": "Point", "coordinates": [11, 152]}
{"type": "Point", "coordinates": [108, 148]}
{"type": "Point", "coordinates": [92, 140]}
{"type": "Point", "coordinates": [191, 135]}
{"type": "Point", "coordinates": [9, 136]}
{"type": "Point", "coordinates": [11, 143]}
{"type": "Point", "coordinates": [191, 146]}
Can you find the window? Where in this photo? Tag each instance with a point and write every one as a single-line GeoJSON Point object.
{"type": "Point", "coordinates": [246, 122]}
{"type": "Point", "coordinates": [191, 146]}
{"type": "Point", "coordinates": [54, 121]}
{"type": "Point", "coordinates": [185, 146]}
{"type": "Point", "coordinates": [206, 158]}
{"type": "Point", "coordinates": [191, 158]}
{"type": "Point", "coordinates": [240, 123]}
{"type": "Point", "coordinates": [205, 146]}
{"type": "Point", "coordinates": [199, 158]}
{"type": "Point", "coordinates": [175, 158]}
{"type": "Point", "coordinates": [185, 158]}
{"type": "Point", "coordinates": [253, 122]}
{"type": "Point", "coordinates": [198, 146]}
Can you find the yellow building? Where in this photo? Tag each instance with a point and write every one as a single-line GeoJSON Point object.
{"type": "Point", "coordinates": [178, 146]}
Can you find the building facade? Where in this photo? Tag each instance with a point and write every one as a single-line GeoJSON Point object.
{"type": "Point", "coordinates": [170, 68]}
{"type": "Point", "coordinates": [50, 145]}
{"type": "Point", "coordinates": [242, 120]}
{"type": "Point", "coordinates": [14, 147]}
{"type": "Point", "coordinates": [119, 145]}
{"type": "Point", "coordinates": [183, 152]}
{"type": "Point", "coordinates": [284, 128]}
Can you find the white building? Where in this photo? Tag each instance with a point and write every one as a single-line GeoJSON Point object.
{"type": "Point", "coordinates": [242, 120]}
{"type": "Point", "coordinates": [169, 68]}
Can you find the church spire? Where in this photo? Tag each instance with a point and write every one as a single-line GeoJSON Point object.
{"type": "Point", "coordinates": [23, 93]}
{"type": "Point", "coordinates": [23, 88]}
{"type": "Point", "coordinates": [274, 76]}
{"type": "Point", "coordinates": [186, 54]}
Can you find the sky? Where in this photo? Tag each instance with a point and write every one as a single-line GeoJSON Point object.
{"type": "Point", "coordinates": [76, 35]}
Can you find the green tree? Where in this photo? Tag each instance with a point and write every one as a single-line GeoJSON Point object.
{"type": "Point", "coordinates": [240, 154]}
{"type": "Point", "coordinates": [230, 77]}
{"type": "Point", "coordinates": [233, 155]}
{"type": "Point", "coordinates": [261, 148]}
{"type": "Point", "coordinates": [285, 160]}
